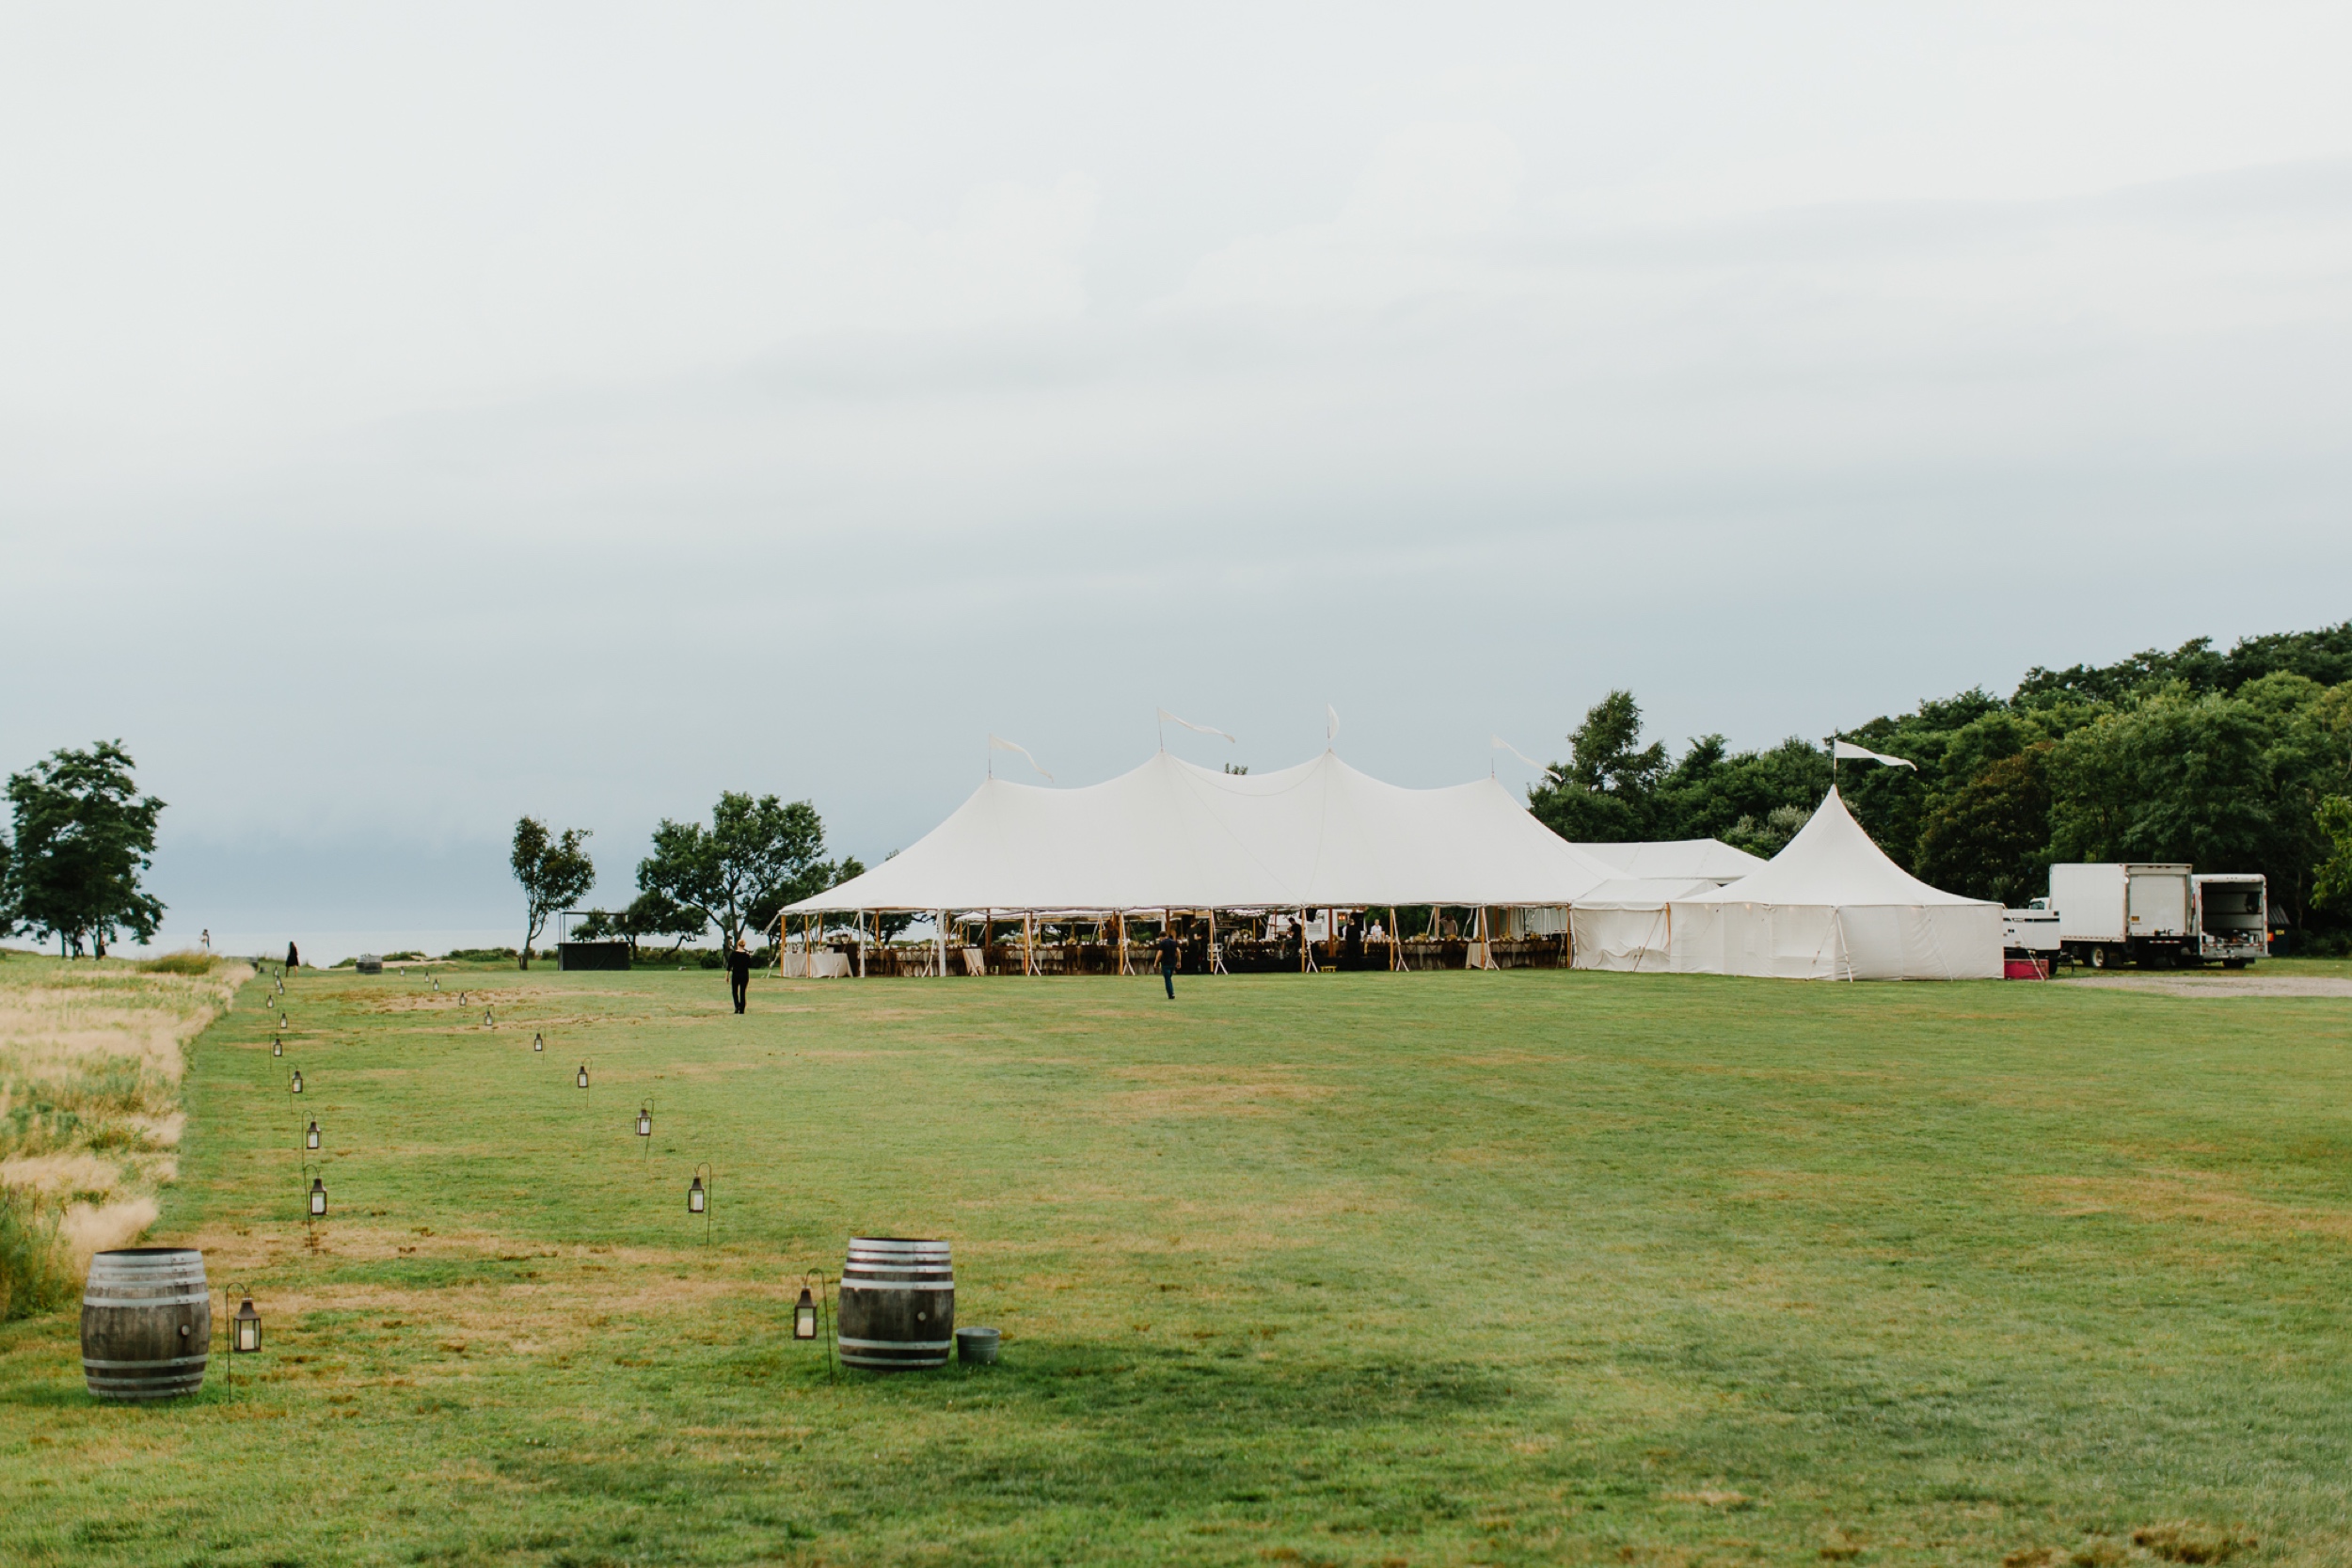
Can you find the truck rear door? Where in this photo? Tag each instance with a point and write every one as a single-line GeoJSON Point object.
{"type": "Point", "coordinates": [2158, 901]}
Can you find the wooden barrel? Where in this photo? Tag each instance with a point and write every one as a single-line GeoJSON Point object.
{"type": "Point", "coordinates": [147, 1323]}
{"type": "Point", "coordinates": [897, 1305]}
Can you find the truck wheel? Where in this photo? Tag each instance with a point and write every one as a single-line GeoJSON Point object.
{"type": "Point", "coordinates": [2233, 963]}
{"type": "Point", "coordinates": [2101, 958]}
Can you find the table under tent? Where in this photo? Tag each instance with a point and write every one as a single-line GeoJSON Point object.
{"type": "Point", "coordinates": [1317, 867]}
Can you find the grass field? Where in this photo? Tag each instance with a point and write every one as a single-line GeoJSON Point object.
{"type": "Point", "coordinates": [1521, 1268]}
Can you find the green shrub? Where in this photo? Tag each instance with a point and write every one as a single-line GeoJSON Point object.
{"type": "Point", "coordinates": [480, 954]}
{"type": "Point", "coordinates": [33, 1274]}
{"type": "Point", "coordinates": [189, 962]}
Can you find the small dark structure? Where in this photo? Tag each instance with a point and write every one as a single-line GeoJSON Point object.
{"type": "Point", "coordinates": [897, 1305]}
{"type": "Point", "coordinates": [147, 1323]}
{"type": "Point", "coordinates": [369, 963]}
{"type": "Point", "coordinates": [591, 955]}
{"type": "Point", "coordinates": [977, 1347]}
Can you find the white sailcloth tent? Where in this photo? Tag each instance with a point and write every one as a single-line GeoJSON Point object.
{"type": "Point", "coordinates": [1831, 906]}
{"type": "Point", "coordinates": [1171, 835]}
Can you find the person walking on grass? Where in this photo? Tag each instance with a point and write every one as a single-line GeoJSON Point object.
{"type": "Point", "coordinates": [1167, 961]}
{"type": "Point", "coordinates": [739, 973]}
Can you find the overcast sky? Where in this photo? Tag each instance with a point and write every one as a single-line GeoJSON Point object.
{"type": "Point", "coordinates": [417, 415]}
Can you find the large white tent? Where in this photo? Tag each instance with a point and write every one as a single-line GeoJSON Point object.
{"type": "Point", "coordinates": [1832, 906]}
{"type": "Point", "coordinates": [1625, 923]}
{"type": "Point", "coordinates": [1676, 860]}
{"type": "Point", "coordinates": [1171, 835]}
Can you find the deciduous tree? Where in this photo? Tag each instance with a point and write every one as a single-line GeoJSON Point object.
{"type": "Point", "coordinates": [83, 833]}
{"type": "Point", "coordinates": [554, 871]}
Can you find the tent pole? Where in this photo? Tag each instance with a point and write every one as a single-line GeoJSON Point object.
{"type": "Point", "coordinates": [1396, 942]}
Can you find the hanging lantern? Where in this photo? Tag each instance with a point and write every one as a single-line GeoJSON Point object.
{"type": "Point", "coordinates": [804, 1317]}
{"type": "Point", "coordinates": [247, 1338]}
{"type": "Point", "coordinates": [645, 1121]}
{"type": "Point", "coordinates": [583, 1078]}
{"type": "Point", "coordinates": [297, 1081]}
{"type": "Point", "coordinates": [538, 1042]}
{"type": "Point", "coordinates": [310, 1136]}
{"type": "Point", "coordinates": [277, 1045]}
{"type": "Point", "coordinates": [696, 1198]}
{"type": "Point", "coordinates": [486, 1018]}
{"type": "Point", "coordinates": [281, 1020]}
{"type": "Point", "coordinates": [318, 1197]}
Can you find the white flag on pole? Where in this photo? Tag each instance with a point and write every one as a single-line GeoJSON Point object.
{"type": "Point", "coordinates": [1503, 745]}
{"type": "Point", "coordinates": [1330, 724]}
{"type": "Point", "coordinates": [1846, 751]}
{"type": "Point", "coordinates": [1203, 729]}
{"type": "Point", "coordinates": [998, 743]}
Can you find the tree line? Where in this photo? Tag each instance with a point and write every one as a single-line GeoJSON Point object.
{"type": "Point", "coordinates": [2232, 761]}
{"type": "Point", "coordinates": [735, 876]}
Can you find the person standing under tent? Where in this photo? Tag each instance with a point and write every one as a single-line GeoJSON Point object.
{"type": "Point", "coordinates": [739, 973]}
{"type": "Point", "coordinates": [1166, 945]}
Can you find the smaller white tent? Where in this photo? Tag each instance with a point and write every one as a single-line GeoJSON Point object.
{"type": "Point", "coordinates": [1831, 906]}
{"type": "Point", "coordinates": [1624, 924]}
{"type": "Point", "coordinates": [1687, 859]}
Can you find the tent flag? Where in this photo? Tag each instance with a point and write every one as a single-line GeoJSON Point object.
{"type": "Point", "coordinates": [996, 743]}
{"type": "Point", "coordinates": [1330, 726]}
{"type": "Point", "coordinates": [1169, 718]}
{"type": "Point", "coordinates": [1846, 751]}
{"type": "Point", "coordinates": [1503, 745]}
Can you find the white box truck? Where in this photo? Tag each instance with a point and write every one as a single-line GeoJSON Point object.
{"type": "Point", "coordinates": [2159, 914]}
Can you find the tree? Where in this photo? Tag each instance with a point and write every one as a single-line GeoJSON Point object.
{"type": "Point", "coordinates": [1989, 838]}
{"type": "Point", "coordinates": [649, 914]}
{"type": "Point", "coordinates": [755, 857]}
{"type": "Point", "coordinates": [1602, 793]}
{"type": "Point", "coordinates": [82, 836]}
{"type": "Point", "coordinates": [554, 871]}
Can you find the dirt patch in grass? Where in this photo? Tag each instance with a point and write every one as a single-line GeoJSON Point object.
{"type": "Point", "coordinates": [2193, 1197]}
{"type": "Point", "coordinates": [1198, 1091]}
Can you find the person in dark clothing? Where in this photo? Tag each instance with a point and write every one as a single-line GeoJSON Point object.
{"type": "Point", "coordinates": [1167, 961]}
{"type": "Point", "coordinates": [739, 973]}
{"type": "Point", "coordinates": [294, 959]}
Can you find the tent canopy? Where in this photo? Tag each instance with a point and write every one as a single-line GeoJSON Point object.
{"type": "Point", "coordinates": [1831, 861]}
{"type": "Point", "coordinates": [1832, 906]}
{"type": "Point", "coordinates": [1173, 835]}
{"type": "Point", "coordinates": [1684, 858]}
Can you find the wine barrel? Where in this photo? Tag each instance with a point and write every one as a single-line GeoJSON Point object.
{"type": "Point", "coordinates": [897, 1305]}
{"type": "Point", "coordinates": [147, 1323]}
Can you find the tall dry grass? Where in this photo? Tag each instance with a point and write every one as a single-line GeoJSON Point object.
{"type": "Point", "coordinates": [91, 1060]}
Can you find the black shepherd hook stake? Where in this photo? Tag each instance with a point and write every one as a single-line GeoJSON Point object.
{"type": "Point", "coordinates": [813, 1282]}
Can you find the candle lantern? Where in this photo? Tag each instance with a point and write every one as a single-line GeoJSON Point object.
{"type": "Point", "coordinates": [697, 1201]}
{"type": "Point", "coordinates": [583, 1078]}
{"type": "Point", "coordinates": [645, 1122]}
{"type": "Point", "coordinates": [297, 1081]}
{"type": "Point", "coordinates": [804, 1317]}
{"type": "Point", "coordinates": [538, 1042]}
{"type": "Point", "coordinates": [277, 1045]}
{"type": "Point", "coordinates": [318, 1198]}
{"type": "Point", "coordinates": [310, 1136]}
{"type": "Point", "coordinates": [248, 1323]}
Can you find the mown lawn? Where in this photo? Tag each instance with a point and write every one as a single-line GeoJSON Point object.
{"type": "Point", "coordinates": [1352, 1269]}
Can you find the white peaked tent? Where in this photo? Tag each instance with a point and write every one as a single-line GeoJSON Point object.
{"type": "Point", "coordinates": [1173, 835]}
{"type": "Point", "coordinates": [1831, 906]}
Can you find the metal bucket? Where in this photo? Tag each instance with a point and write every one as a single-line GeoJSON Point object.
{"type": "Point", "coordinates": [147, 1323]}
